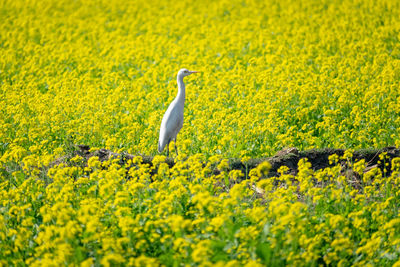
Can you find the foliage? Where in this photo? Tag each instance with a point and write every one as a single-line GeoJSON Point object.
{"type": "Point", "coordinates": [186, 215]}
{"type": "Point", "coordinates": [275, 74]}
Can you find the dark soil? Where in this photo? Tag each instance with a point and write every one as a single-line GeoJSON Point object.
{"type": "Point", "coordinates": [287, 157]}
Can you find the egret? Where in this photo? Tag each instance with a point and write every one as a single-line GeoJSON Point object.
{"type": "Point", "coordinates": [172, 121]}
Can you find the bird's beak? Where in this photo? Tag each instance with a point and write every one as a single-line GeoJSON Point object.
{"type": "Point", "coordinates": [193, 72]}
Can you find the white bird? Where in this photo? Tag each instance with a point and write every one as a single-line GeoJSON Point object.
{"type": "Point", "coordinates": [172, 121]}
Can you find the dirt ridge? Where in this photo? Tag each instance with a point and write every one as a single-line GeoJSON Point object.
{"type": "Point", "coordinates": [319, 159]}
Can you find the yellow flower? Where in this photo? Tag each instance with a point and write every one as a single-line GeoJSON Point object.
{"type": "Point", "coordinates": [263, 168]}
{"type": "Point", "coordinates": [217, 222]}
{"type": "Point", "coordinates": [94, 162]}
{"type": "Point", "coordinates": [201, 251]}
{"type": "Point", "coordinates": [112, 259]}
{"type": "Point", "coordinates": [223, 165]}
{"type": "Point", "coordinates": [77, 159]}
{"type": "Point", "coordinates": [87, 263]}
{"type": "Point", "coordinates": [359, 166]}
{"type": "Point", "coordinates": [102, 73]}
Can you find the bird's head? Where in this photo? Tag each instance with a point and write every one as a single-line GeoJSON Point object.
{"type": "Point", "coordinates": [184, 72]}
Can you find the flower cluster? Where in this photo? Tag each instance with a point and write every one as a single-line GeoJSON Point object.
{"type": "Point", "coordinates": [275, 74]}
{"type": "Point", "coordinates": [129, 213]}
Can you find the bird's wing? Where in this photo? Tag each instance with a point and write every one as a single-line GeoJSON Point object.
{"type": "Point", "coordinates": [173, 120]}
{"type": "Point", "coordinates": [171, 124]}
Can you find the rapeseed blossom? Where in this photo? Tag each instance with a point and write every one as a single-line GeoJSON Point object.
{"type": "Point", "coordinates": [276, 74]}
{"type": "Point", "coordinates": [103, 219]}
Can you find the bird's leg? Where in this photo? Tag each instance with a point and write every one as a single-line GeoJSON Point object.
{"type": "Point", "coordinates": [176, 149]}
{"type": "Point", "coordinates": [167, 149]}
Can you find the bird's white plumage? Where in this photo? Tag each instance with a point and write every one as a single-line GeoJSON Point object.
{"type": "Point", "coordinates": [171, 124]}
{"type": "Point", "coordinates": [172, 121]}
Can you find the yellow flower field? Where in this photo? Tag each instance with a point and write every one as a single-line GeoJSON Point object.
{"type": "Point", "coordinates": [274, 74]}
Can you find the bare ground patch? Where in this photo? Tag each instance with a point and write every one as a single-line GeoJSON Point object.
{"type": "Point", "coordinates": [319, 159]}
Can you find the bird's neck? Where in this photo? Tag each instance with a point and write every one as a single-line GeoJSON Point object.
{"type": "Point", "coordinates": [181, 91]}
